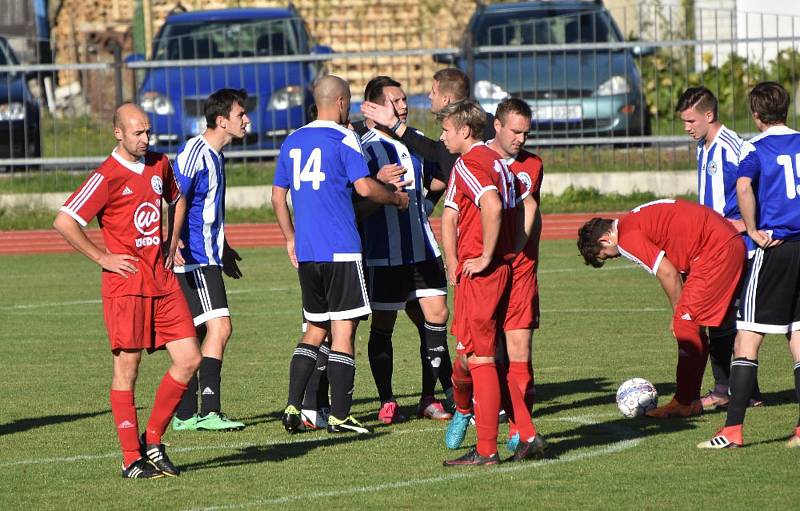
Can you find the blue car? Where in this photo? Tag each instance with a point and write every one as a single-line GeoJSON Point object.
{"type": "Point", "coordinates": [19, 111]}
{"type": "Point", "coordinates": [279, 92]}
{"type": "Point", "coordinates": [573, 92]}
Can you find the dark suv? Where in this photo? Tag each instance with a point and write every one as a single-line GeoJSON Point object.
{"type": "Point", "coordinates": [582, 92]}
{"type": "Point", "coordinates": [19, 112]}
{"type": "Point", "coordinates": [278, 91]}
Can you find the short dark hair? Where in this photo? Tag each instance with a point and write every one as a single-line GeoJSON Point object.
{"type": "Point", "coordinates": [770, 101]}
{"type": "Point", "coordinates": [512, 106]}
{"type": "Point", "coordinates": [373, 92]}
{"type": "Point", "coordinates": [702, 99]}
{"type": "Point", "coordinates": [221, 102]}
{"type": "Point", "coordinates": [465, 113]}
{"type": "Point", "coordinates": [589, 239]}
{"type": "Point", "coordinates": [453, 82]}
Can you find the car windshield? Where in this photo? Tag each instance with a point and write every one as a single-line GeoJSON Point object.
{"type": "Point", "coordinates": [226, 39]}
{"type": "Point", "coordinates": [546, 26]}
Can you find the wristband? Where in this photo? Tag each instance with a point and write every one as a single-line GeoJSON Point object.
{"type": "Point", "coordinates": [393, 129]}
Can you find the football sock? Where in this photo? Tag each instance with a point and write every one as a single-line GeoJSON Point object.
{"type": "Point", "coordinates": [797, 386]}
{"type": "Point", "coordinates": [303, 362]}
{"type": "Point", "coordinates": [209, 380]}
{"type": "Point", "coordinates": [519, 381]}
{"type": "Point", "coordinates": [720, 353]}
{"type": "Point", "coordinates": [381, 358]}
{"type": "Point", "coordinates": [123, 410]}
{"type": "Point", "coordinates": [743, 377]}
{"type": "Point", "coordinates": [168, 395]}
{"type": "Point", "coordinates": [692, 355]}
{"type": "Point", "coordinates": [188, 405]}
{"type": "Point", "coordinates": [462, 388]}
{"type": "Point", "coordinates": [487, 406]}
{"type": "Point", "coordinates": [341, 374]}
{"type": "Point", "coordinates": [434, 337]}
{"type": "Point", "coordinates": [314, 388]}
{"type": "Point", "coordinates": [428, 380]}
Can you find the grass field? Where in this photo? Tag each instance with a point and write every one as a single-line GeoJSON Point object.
{"type": "Point", "coordinates": [599, 327]}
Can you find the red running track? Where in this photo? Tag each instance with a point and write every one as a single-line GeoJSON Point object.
{"type": "Point", "coordinates": [554, 227]}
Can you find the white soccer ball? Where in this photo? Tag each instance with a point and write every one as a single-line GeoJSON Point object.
{"type": "Point", "coordinates": [635, 397]}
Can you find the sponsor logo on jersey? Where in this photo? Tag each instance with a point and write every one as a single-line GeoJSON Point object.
{"type": "Point", "coordinates": [127, 191]}
{"type": "Point", "coordinates": [147, 220]}
{"type": "Point", "coordinates": [157, 184]}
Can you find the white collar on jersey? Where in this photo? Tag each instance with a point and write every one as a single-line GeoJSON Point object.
{"type": "Point", "coordinates": [137, 166]}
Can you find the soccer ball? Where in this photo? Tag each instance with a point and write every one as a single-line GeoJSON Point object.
{"type": "Point", "coordinates": [635, 397]}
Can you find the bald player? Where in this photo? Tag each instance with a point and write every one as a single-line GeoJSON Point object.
{"type": "Point", "coordinates": [320, 163]}
{"type": "Point", "coordinates": [143, 305]}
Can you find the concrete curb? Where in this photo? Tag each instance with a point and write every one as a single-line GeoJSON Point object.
{"type": "Point", "coordinates": [664, 184]}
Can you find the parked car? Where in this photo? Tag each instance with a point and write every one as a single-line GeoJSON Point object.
{"type": "Point", "coordinates": [279, 92]}
{"type": "Point", "coordinates": [19, 111]}
{"type": "Point", "coordinates": [572, 92]}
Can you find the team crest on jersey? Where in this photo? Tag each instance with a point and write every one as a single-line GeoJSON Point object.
{"type": "Point", "coordinates": [157, 184]}
{"type": "Point", "coordinates": [147, 220]}
{"type": "Point", "coordinates": [711, 168]}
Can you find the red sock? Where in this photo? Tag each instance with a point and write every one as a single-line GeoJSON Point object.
{"type": "Point", "coordinates": [168, 396]}
{"type": "Point", "coordinates": [518, 381]}
{"type": "Point", "coordinates": [124, 411]}
{"type": "Point", "coordinates": [462, 388]}
{"type": "Point", "coordinates": [530, 392]}
{"type": "Point", "coordinates": [692, 357]}
{"type": "Point", "coordinates": [487, 406]}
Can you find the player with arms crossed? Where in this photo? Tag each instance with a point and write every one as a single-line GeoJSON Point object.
{"type": "Point", "coordinates": [669, 238]}
{"type": "Point", "coordinates": [143, 305]}
{"type": "Point", "coordinates": [319, 163]}
{"type": "Point", "coordinates": [481, 194]}
{"type": "Point", "coordinates": [718, 149]}
{"type": "Point", "coordinates": [205, 254]}
{"type": "Point", "coordinates": [511, 123]}
{"type": "Point", "coordinates": [403, 263]}
{"type": "Point", "coordinates": [767, 191]}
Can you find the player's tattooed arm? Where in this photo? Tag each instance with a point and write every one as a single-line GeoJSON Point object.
{"type": "Point", "coordinates": [747, 207]}
{"type": "Point", "coordinates": [121, 264]}
{"type": "Point", "coordinates": [281, 208]}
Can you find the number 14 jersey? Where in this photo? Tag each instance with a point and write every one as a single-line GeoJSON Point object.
{"type": "Point", "coordinates": [318, 164]}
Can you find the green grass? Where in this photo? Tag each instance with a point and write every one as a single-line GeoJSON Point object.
{"type": "Point", "coordinates": [599, 327]}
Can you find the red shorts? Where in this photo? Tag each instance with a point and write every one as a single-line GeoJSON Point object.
{"type": "Point", "coordinates": [523, 302]}
{"type": "Point", "coordinates": [147, 322]}
{"type": "Point", "coordinates": [480, 308]}
{"type": "Point", "coordinates": [713, 280]}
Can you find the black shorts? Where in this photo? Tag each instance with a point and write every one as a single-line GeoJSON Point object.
{"type": "Point", "coordinates": [205, 293]}
{"type": "Point", "coordinates": [770, 301]}
{"type": "Point", "coordinates": [333, 291]}
{"type": "Point", "coordinates": [390, 287]}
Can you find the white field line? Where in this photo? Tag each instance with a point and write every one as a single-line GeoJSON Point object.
{"type": "Point", "coordinates": [619, 446]}
{"type": "Point", "coordinates": [573, 270]}
{"type": "Point", "coordinates": [23, 306]}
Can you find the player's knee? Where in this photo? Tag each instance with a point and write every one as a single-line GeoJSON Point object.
{"type": "Point", "coordinates": [440, 315]}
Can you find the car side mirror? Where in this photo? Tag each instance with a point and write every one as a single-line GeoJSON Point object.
{"type": "Point", "coordinates": [321, 49]}
{"type": "Point", "coordinates": [445, 58]}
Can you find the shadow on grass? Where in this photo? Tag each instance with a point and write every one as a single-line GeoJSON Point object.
{"type": "Point", "coordinates": [275, 453]}
{"type": "Point", "coordinates": [20, 425]}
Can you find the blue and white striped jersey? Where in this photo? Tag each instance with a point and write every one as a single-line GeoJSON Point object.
{"type": "Point", "coordinates": [772, 161]}
{"type": "Point", "coordinates": [392, 237]}
{"type": "Point", "coordinates": [318, 164]}
{"type": "Point", "coordinates": [200, 173]}
{"type": "Point", "coordinates": [717, 170]}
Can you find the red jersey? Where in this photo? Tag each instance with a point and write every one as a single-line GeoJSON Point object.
{"type": "Point", "coordinates": [676, 229]}
{"type": "Point", "coordinates": [126, 198]}
{"type": "Point", "coordinates": [480, 170]}
{"type": "Point", "coordinates": [528, 169]}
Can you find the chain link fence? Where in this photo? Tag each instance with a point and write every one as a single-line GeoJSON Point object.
{"type": "Point", "coordinates": [602, 85]}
